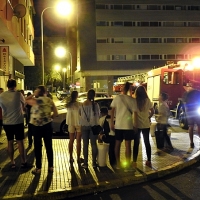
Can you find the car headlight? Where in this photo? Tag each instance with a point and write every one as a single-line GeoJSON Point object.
{"type": "Point", "coordinates": [198, 110]}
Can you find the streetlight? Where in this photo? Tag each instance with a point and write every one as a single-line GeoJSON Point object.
{"type": "Point", "coordinates": [57, 68]}
{"type": "Point", "coordinates": [64, 70]}
{"type": "Point", "coordinates": [64, 8]}
{"type": "Point", "coordinates": [61, 52]}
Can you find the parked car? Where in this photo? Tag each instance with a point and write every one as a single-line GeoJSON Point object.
{"type": "Point", "coordinates": [62, 95]}
{"type": "Point", "coordinates": [83, 95]}
{"type": "Point", "coordinates": [59, 123]}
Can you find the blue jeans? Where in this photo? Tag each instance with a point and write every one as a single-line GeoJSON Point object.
{"type": "Point", "coordinates": [88, 135]}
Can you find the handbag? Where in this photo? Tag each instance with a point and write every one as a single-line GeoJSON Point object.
{"type": "Point", "coordinates": [96, 129]}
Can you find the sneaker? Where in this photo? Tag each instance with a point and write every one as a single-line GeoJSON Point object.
{"type": "Point", "coordinates": [84, 166]}
{"type": "Point", "coordinates": [192, 145]}
{"type": "Point", "coordinates": [36, 171]}
{"type": "Point", "coordinates": [148, 164]}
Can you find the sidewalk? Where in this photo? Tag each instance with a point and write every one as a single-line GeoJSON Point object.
{"type": "Point", "coordinates": [74, 181]}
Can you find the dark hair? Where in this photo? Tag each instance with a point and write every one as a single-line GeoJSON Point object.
{"type": "Point", "coordinates": [11, 83]}
{"type": "Point", "coordinates": [42, 91]}
{"type": "Point", "coordinates": [164, 96]}
{"type": "Point", "coordinates": [73, 98]}
{"type": "Point", "coordinates": [126, 87]}
{"type": "Point", "coordinates": [141, 96]}
{"type": "Point", "coordinates": [28, 94]}
{"type": "Point", "coordinates": [90, 97]}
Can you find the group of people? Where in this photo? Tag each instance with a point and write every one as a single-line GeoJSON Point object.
{"type": "Point", "coordinates": [43, 110]}
{"type": "Point", "coordinates": [130, 116]}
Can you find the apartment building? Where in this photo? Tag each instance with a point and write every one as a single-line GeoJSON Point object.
{"type": "Point", "coordinates": [118, 38]}
{"type": "Point", "coordinates": [16, 40]}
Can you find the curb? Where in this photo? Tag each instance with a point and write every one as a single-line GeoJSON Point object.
{"type": "Point", "coordinates": [104, 186]}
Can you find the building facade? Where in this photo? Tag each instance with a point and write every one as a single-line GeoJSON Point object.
{"type": "Point", "coordinates": [16, 40]}
{"type": "Point", "coordinates": [118, 38]}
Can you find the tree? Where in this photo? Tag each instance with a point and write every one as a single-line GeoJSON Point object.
{"type": "Point", "coordinates": [33, 77]}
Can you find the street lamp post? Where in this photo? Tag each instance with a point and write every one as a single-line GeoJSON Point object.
{"type": "Point", "coordinates": [42, 41]}
{"type": "Point", "coordinates": [64, 9]}
{"type": "Point", "coordinates": [61, 52]}
{"type": "Point", "coordinates": [64, 70]}
{"type": "Point", "coordinates": [70, 66]}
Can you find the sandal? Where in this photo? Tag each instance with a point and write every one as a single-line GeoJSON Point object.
{"type": "Point", "coordinates": [12, 166]}
{"type": "Point", "coordinates": [36, 171]}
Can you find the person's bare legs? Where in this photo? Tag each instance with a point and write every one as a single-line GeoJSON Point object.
{"type": "Point", "coordinates": [78, 145]}
{"type": "Point", "coordinates": [11, 151]}
{"type": "Point", "coordinates": [117, 152]}
{"type": "Point", "coordinates": [21, 150]}
{"type": "Point", "coordinates": [71, 143]}
{"type": "Point", "coordinates": [128, 151]}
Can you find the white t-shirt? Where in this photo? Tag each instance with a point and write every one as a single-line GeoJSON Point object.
{"type": "Point", "coordinates": [143, 116]}
{"type": "Point", "coordinates": [72, 115]}
{"type": "Point", "coordinates": [124, 106]}
{"type": "Point", "coordinates": [163, 113]}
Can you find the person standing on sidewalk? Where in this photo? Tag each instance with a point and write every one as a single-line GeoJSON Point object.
{"type": "Point", "coordinates": [42, 113]}
{"type": "Point", "coordinates": [12, 103]}
{"type": "Point", "coordinates": [123, 106]}
{"type": "Point", "coordinates": [108, 135]}
{"type": "Point", "coordinates": [193, 113]}
{"type": "Point", "coordinates": [145, 111]}
{"type": "Point", "coordinates": [162, 119]}
{"type": "Point", "coordinates": [90, 114]}
{"type": "Point", "coordinates": [28, 115]}
{"type": "Point", "coordinates": [74, 128]}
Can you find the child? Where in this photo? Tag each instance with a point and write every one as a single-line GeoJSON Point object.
{"type": "Point", "coordinates": [162, 118]}
{"type": "Point", "coordinates": [108, 136]}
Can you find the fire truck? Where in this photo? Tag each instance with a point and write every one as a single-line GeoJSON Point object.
{"type": "Point", "coordinates": [175, 80]}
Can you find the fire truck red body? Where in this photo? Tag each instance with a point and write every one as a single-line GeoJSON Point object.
{"type": "Point", "coordinates": [175, 80]}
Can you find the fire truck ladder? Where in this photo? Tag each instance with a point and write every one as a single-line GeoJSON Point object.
{"type": "Point", "coordinates": [142, 77]}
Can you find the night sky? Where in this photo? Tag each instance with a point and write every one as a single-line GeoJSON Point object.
{"type": "Point", "coordinates": [53, 24]}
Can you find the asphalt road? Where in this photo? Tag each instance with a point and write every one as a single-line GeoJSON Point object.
{"type": "Point", "coordinates": [181, 186]}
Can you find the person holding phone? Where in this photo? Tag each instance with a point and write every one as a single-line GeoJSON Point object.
{"type": "Point", "coordinates": [41, 118]}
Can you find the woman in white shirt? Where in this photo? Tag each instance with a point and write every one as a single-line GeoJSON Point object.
{"type": "Point", "coordinates": [74, 128]}
{"type": "Point", "coordinates": [90, 114]}
{"type": "Point", "coordinates": [145, 111]}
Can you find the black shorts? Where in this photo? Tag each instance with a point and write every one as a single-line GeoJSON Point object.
{"type": "Point", "coordinates": [124, 134]}
{"type": "Point", "coordinates": [14, 131]}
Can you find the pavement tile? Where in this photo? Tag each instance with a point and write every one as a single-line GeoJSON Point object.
{"type": "Point", "coordinates": [69, 180]}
